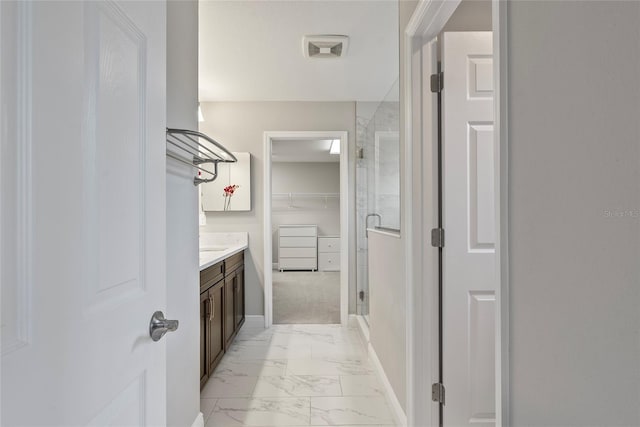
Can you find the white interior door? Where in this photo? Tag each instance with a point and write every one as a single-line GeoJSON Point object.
{"type": "Point", "coordinates": [469, 218]}
{"type": "Point", "coordinates": [83, 189]}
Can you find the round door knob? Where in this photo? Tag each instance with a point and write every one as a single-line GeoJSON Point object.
{"type": "Point", "coordinates": [158, 326]}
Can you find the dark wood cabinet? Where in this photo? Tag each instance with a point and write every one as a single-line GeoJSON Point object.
{"type": "Point", "coordinates": [216, 342]}
{"type": "Point", "coordinates": [204, 327]}
{"type": "Point", "coordinates": [211, 341]}
{"type": "Point", "coordinates": [239, 300]}
{"type": "Point", "coordinates": [229, 315]}
{"type": "Point", "coordinates": [221, 311]}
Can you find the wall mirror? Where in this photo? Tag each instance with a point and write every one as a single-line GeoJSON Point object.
{"type": "Point", "coordinates": [231, 191]}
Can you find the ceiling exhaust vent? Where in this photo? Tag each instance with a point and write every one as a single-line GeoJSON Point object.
{"type": "Point", "coordinates": [325, 46]}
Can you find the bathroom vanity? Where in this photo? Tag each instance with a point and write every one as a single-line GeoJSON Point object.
{"type": "Point", "coordinates": [222, 305]}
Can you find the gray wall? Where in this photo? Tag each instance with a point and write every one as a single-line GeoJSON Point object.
{"type": "Point", "coordinates": [574, 208]}
{"type": "Point", "coordinates": [240, 126]}
{"type": "Point", "coordinates": [305, 177]}
{"type": "Point", "coordinates": [183, 364]}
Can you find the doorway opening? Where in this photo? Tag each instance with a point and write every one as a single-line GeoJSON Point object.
{"type": "Point", "coordinates": [306, 237]}
{"type": "Point", "coordinates": [453, 57]}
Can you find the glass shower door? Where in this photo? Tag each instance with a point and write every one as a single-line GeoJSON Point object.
{"type": "Point", "coordinates": [377, 180]}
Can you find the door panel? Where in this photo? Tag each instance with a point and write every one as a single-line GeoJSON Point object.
{"type": "Point", "coordinates": [469, 217]}
{"type": "Point", "coordinates": [114, 153]}
{"type": "Point", "coordinates": [205, 331]}
{"type": "Point", "coordinates": [88, 137]}
{"type": "Point", "coordinates": [481, 192]}
{"type": "Point", "coordinates": [216, 338]}
{"type": "Point", "coordinates": [229, 307]}
{"type": "Point", "coordinates": [239, 296]}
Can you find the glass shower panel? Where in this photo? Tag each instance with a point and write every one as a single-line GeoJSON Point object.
{"type": "Point", "coordinates": [377, 179]}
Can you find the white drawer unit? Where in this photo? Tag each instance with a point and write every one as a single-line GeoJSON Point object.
{"type": "Point", "coordinates": [298, 247]}
{"type": "Point", "coordinates": [329, 253]}
{"type": "Point", "coordinates": [298, 231]}
{"type": "Point", "coordinates": [298, 242]}
{"type": "Point", "coordinates": [298, 252]}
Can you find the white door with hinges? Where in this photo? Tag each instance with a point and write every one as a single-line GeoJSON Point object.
{"type": "Point", "coordinates": [469, 222]}
{"type": "Point", "coordinates": [83, 212]}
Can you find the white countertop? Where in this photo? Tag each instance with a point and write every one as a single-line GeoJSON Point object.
{"type": "Point", "coordinates": [214, 247]}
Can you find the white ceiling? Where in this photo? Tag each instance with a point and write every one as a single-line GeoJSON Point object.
{"type": "Point", "coordinates": [303, 151]}
{"type": "Point", "coordinates": [252, 50]}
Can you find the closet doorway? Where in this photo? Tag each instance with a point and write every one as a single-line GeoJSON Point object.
{"type": "Point", "coordinates": [306, 228]}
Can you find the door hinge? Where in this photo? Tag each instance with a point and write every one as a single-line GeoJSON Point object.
{"type": "Point", "coordinates": [437, 82]}
{"type": "Point", "coordinates": [437, 393]}
{"type": "Point", "coordinates": [437, 238]}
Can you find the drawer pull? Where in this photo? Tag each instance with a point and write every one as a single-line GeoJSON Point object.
{"type": "Point", "coordinates": [212, 313]}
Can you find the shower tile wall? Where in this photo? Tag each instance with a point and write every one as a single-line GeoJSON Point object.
{"type": "Point", "coordinates": [386, 193]}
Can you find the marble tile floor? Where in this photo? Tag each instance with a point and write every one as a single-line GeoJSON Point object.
{"type": "Point", "coordinates": [296, 375]}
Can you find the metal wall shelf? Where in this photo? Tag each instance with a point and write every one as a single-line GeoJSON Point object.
{"type": "Point", "coordinates": [195, 149]}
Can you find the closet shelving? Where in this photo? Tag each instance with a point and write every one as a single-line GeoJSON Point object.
{"type": "Point", "coordinates": [195, 149]}
{"type": "Point", "coordinates": [293, 197]}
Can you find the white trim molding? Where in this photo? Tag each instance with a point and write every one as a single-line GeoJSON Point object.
{"type": "Point", "coordinates": [199, 421]}
{"type": "Point", "coordinates": [345, 196]}
{"type": "Point", "coordinates": [396, 409]}
{"type": "Point", "coordinates": [254, 321]}
{"type": "Point", "coordinates": [427, 21]}
{"type": "Point", "coordinates": [16, 333]}
{"type": "Point", "coordinates": [363, 328]}
{"type": "Point", "coordinates": [501, 85]}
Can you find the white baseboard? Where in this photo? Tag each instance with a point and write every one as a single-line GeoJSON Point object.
{"type": "Point", "coordinates": [362, 326]}
{"type": "Point", "coordinates": [254, 321]}
{"type": "Point", "coordinates": [199, 421]}
{"type": "Point", "coordinates": [396, 409]}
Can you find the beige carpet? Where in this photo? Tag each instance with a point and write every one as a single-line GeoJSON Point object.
{"type": "Point", "coordinates": [306, 297]}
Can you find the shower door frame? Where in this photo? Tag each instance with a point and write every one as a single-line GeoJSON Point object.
{"type": "Point", "coordinates": [346, 195]}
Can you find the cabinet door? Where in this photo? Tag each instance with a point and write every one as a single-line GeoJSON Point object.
{"type": "Point", "coordinates": [216, 341]}
{"type": "Point", "coordinates": [239, 303]}
{"type": "Point", "coordinates": [204, 340]}
{"type": "Point", "coordinates": [229, 309]}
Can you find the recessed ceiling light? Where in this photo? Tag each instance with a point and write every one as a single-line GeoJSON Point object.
{"type": "Point", "coordinates": [335, 147]}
